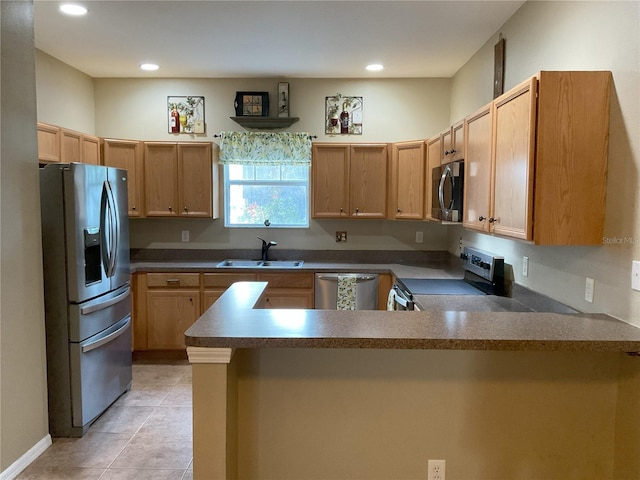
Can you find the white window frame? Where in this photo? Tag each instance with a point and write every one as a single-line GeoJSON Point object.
{"type": "Point", "coordinates": [227, 201]}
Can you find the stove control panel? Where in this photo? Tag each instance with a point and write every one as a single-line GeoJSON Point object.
{"type": "Point", "coordinates": [483, 264]}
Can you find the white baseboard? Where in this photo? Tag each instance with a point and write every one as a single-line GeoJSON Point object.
{"type": "Point", "coordinates": [25, 460]}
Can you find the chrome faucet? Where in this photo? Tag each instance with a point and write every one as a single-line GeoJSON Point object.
{"type": "Point", "coordinates": [265, 248]}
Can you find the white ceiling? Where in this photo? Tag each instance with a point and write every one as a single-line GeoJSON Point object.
{"type": "Point", "coordinates": [289, 39]}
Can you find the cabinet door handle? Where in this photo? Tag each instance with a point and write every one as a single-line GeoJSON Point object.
{"type": "Point", "coordinates": [491, 219]}
{"type": "Point", "coordinates": [399, 210]}
{"type": "Point", "coordinates": [170, 209]}
{"type": "Point", "coordinates": [186, 209]}
{"type": "Point", "coordinates": [173, 280]}
{"type": "Point", "coordinates": [481, 218]}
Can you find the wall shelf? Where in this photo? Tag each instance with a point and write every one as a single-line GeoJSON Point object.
{"type": "Point", "coordinates": [265, 122]}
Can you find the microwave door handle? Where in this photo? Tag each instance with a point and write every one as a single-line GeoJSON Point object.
{"type": "Point", "coordinates": [443, 178]}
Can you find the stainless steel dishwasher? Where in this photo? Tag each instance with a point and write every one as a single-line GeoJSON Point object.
{"type": "Point", "coordinates": [326, 290]}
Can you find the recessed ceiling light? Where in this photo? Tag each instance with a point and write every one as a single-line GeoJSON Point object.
{"type": "Point", "coordinates": [375, 67]}
{"type": "Point", "coordinates": [149, 67]}
{"type": "Point", "coordinates": [73, 9]}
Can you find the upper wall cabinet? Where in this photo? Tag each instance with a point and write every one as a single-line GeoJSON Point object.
{"type": "Point", "coordinates": [434, 157]}
{"type": "Point", "coordinates": [349, 180]}
{"type": "Point", "coordinates": [478, 181]}
{"type": "Point", "coordinates": [453, 143]}
{"type": "Point", "coordinates": [178, 180]}
{"type": "Point", "coordinates": [408, 180]}
{"type": "Point", "coordinates": [56, 144]}
{"type": "Point", "coordinates": [48, 143]}
{"type": "Point", "coordinates": [127, 154]}
{"type": "Point", "coordinates": [548, 155]}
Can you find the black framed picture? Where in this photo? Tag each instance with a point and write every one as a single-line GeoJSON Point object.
{"type": "Point", "coordinates": [252, 104]}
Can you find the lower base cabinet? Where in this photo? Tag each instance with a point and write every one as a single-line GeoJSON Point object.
{"type": "Point", "coordinates": [167, 304]}
{"type": "Point", "coordinates": [169, 314]}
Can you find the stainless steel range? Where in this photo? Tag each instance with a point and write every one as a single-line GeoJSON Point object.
{"type": "Point", "coordinates": [483, 274]}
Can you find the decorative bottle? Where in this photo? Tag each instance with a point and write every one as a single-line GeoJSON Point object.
{"type": "Point", "coordinates": [344, 119]}
{"type": "Point", "coordinates": [175, 121]}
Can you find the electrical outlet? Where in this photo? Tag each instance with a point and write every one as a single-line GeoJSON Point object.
{"type": "Point", "coordinates": [436, 470]}
{"type": "Point", "coordinates": [419, 237]}
{"type": "Point", "coordinates": [589, 286]}
{"type": "Point", "coordinates": [185, 236]}
{"type": "Point", "coordinates": [525, 266]}
{"type": "Point", "coordinates": [635, 275]}
{"type": "Point", "coordinates": [341, 236]}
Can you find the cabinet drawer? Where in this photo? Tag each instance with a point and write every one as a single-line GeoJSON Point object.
{"type": "Point", "coordinates": [287, 280]}
{"type": "Point", "coordinates": [217, 280]}
{"type": "Point", "coordinates": [173, 280]}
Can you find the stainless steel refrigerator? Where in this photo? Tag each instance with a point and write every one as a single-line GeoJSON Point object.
{"type": "Point", "coordinates": [85, 243]}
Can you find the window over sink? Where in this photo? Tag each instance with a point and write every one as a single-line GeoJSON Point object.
{"type": "Point", "coordinates": [266, 179]}
{"type": "Point", "coordinates": [259, 195]}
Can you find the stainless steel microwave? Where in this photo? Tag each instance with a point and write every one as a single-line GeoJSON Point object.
{"type": "Point", "coordinates": [447, 191]}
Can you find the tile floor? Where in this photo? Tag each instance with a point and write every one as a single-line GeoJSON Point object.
{"type": "Point", "coordinates": [144, 435]}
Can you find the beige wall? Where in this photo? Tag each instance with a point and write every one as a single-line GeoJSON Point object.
{"type": "Point", "coordinates": [580, 36]}
{"type": "Point", "coordinates": [23, 394]}
{"type": "Point", "coordinates": [65, 95]}
{"type": "Point", "coordinates": [381, 414]}
{"type": "Point", "coordinates": [395, 109]}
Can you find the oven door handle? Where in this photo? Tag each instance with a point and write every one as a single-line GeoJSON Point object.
{"type": "Point", "coordinates": [401, 299]}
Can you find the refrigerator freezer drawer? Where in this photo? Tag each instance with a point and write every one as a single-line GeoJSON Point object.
{"type": "Point", "coordinates": [100, 372]}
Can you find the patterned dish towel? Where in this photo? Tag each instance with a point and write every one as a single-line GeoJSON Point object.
{"type": "Point", "coordinates": [346, 292]}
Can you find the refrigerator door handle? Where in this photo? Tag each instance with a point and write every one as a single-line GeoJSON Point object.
{"type": "Point", "coordinates": [110, 227]}
{"type": "Point", "coordinates": [106, 304]}
{"type": "Point", "coordinates": [122, 328]}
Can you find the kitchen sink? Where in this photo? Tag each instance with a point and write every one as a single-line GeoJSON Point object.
{"type": "Point", "coordinates": [283, 263]}
{"type": "Point", "coordinates": [231, 263]}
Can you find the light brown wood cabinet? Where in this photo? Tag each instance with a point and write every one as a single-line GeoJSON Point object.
{"type": "Point", "coordinates": [349, 180]}
{"type": "Point", "coordinates": [453, 143]}
{"type": "Point", "coordinates": [478, 181]}
{"type": "Point", "coordinates": [408, 180]}
{"type": "Point", "coordinates": [434, 156]}
{"type": "Point", "coordinates": [172, 304]}
{"type": "Point", "coordinates": [56, 144]}
{"type": "Point", "coordinates": [127, 155]}
{"type": "Point", "coordinates": [288, 290]}
{"type": "Point", "coordinates": [547, 169]}
{"type": "Point", "coordinates": [166, 304]}
{"type": "Point", "coordinates": [215, 284]}
{"type": "Point", "coordinates": [48, 143]}
{"type": "Point", "coordinates": [178, 179]}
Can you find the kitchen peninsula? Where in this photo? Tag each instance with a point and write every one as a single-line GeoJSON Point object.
{"type": "Point", "coordinates": [374, 394]}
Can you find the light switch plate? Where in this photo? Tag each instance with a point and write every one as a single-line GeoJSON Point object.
{"type": "Point", "coordinates": [185, 236]}
{"type": "Point", "coordinates": [419, 237]}
{"type": "Point", "coordinates": [635, 275]}
{"type": "Point", "coordinates": [525, 266]}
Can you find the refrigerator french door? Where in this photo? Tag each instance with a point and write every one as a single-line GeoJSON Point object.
{"type": "Point", "coordinates": [85, 243]}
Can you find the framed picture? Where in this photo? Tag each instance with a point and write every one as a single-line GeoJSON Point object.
{"type": "Point", "coordinates": [185, 114]}
{"type": "Point", "coordinates": [252, 104]}
{"type": "Point", "coordinates": [283, 99]}
{"type": "Point", "coordinates": [343, 115]}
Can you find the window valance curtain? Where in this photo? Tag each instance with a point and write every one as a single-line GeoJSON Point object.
{"type": "Point", "coordinates": [264, 148]}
